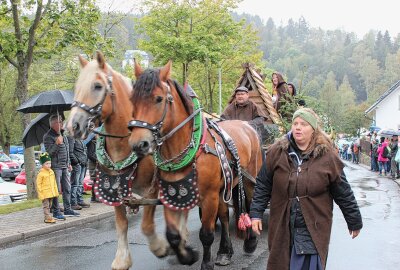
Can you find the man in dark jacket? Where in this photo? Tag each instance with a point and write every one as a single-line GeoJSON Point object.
{"type": "Point", "coordinates": [394, 166]}
{"type": "Point", "coordinates": [78, 157]}
{"type": "Point", "coordinates": [56, 144]}
{"type": "Point", "coordinates": [92, 162]}
{"type": "Point", "coordinates": [243, 109]}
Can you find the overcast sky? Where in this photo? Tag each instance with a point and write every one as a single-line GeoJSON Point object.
{"type": "Point", "coordinates": [357, 16]}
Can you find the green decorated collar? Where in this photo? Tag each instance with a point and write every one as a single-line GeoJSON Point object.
{"type": "Point", "coordinates": [104, 159]}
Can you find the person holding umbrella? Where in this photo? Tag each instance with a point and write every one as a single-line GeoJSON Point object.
{"type": "Point", "coordinates": [56, 144]}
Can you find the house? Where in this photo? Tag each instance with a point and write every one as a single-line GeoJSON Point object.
{"type": "Point", "coordinates": [385, 112]}
{"type": "Point", "coordinates": [254, 81]}
{"type": "Point", "coordinates": [141, 56]}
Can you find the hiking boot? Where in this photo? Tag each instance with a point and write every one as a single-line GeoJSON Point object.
{"type": "Point", "coordinates": [59, 216]}
{"type": "Point", "coordinates": [71, 213]}
{"type": "Point", "coordinates": [50, 220]}
{"type": "Point", "coordinates": [76, 207]}
{"type": "Point", "coordinates": [84, 205]}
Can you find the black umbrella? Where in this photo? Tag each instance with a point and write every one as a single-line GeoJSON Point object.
{"type": "Point", "coordinates": [34, 132]}
{"type": "Point", "coordinates": [48, 102]}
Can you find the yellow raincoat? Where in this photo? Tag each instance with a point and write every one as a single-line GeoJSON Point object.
{"type": "Point", "coordinates": [46, 184]}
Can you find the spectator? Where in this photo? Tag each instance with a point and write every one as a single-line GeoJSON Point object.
{"type": "Point", "coordinates": [382, 158]}
{"type": "Point", "coordinates": [374, 155]}
{"type": "Point", "coordinates": [394, 166]}
{"type": "Point", "coordinates": [78, 157]}
{"type": "Point", "coordinates": [56, 144]}
{"type": "Point", "coordinates": [301, 177]}
{"type": "Point", "coordinates": [46, 187]}
{"type": "Point", "coordinates": [92, 162]}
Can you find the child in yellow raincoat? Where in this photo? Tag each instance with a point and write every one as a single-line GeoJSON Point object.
{"type": "Point", "coordinates": [46, 186]}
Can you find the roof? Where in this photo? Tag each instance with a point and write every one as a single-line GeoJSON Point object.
{"type": "Point", "coordinates": [254, 81]}
{"type": "Point", "coordinates": [381, 98]}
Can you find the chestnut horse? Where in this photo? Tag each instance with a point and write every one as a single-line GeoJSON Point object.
{"type": "Point", "coordinates": [101, 92]}
{"type": "Point", "coordinates": [164, 124]}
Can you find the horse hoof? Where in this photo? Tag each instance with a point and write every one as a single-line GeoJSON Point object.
{"type": "Point", "coordinates": [223, 259]}
{"type": "Point", "coordinates": [191, 257]}
{"type": "Point", "coordinates": [250, 245]}
{"type": "Point", "coordinates": [207, 266]}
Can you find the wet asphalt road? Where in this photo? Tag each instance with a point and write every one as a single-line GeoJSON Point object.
{"type": "Point", "coordinates": [93, 247]}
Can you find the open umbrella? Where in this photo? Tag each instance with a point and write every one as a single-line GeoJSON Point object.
{"type": "Point", "coordinates": [34, 132]}
{"type": "Point", "coordinates": [52, 101]}
{"type": "Point", "coordinates": [388, 132]}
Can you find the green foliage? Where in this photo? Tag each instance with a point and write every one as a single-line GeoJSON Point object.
{"type": "Point", "coordinates": [200, 37]}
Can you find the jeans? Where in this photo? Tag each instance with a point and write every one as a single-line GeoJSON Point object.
{"type": "Point", "coordinates": [77, 176]}
{"type": "Point", "coordinates": [64, 185]}
{"type": "Point", "coordinates": [374, 164]}
{"type": "Point", "coordinates": [383, 167]}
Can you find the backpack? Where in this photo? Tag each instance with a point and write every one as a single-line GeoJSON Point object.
{"type": "Point", "coordinates": [386, 152]}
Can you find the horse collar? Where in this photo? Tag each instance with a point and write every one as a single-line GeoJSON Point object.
{"type": "Point", "coordinates": [104, 159]}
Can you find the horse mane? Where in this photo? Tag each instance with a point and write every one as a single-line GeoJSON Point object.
{"type": "Point", "coordinates": [186, 100]}
{"type": "Point", "coordinates": [150, 79]}
{"type": "Point", "coordinates": [145, 84]}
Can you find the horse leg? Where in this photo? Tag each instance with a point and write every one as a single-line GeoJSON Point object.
{"type": "Point", "coordinates": [250, 242]}
{"type": "Point", "coordinates": [206, 234]}
{"type": "Point", "coordinates": [225, 250]}
{"type": "Point", "coordinates": [157, 244]}
{"type": "Point", "coordinates": [177, 234]}
{"type": "Point", "coordinates": [122, 258]}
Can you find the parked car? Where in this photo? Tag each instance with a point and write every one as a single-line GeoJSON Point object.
{"type": "Point", "coordinates": [19, 158]}
{"type": "Point", "coordinates": [8, 168]}
{"type": "Point", "coordinates": [11, 192]}
{"type": "Point", "coordinates": [87, 182]}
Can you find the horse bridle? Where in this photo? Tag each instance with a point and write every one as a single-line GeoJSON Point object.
{"type": "Point", "coordinates": [96, 110]}
{"type": "Point", "coordinates": [156, 128]}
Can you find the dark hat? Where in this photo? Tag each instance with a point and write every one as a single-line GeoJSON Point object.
{"type": "Point", "coordinates": [242, 88]}
{"type": "Point", "coordinates": [44, 157]}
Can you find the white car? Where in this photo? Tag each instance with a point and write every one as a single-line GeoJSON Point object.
{"type": "Point", "coordinates": [19, 158]}
{"type": "Point", "coordinates": [11, 192]}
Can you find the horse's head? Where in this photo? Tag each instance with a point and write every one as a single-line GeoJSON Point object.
{"type": "Point", "coordinates": [157, 106]}
{"type": "Point", "coordinates": [92, 100]}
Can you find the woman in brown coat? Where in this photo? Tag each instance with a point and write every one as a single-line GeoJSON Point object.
{"type": "Point", "coordinates": [279, 90]}
{"type": "Point", "coordinates": [302, 176]}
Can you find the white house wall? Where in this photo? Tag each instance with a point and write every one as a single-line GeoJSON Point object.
{"type": "Point", "coordinates": [387, 113]}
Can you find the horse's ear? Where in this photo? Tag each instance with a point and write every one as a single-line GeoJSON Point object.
{"type": "Point", "coordinates": [83, 61]}
{"type": "Point", "coordinates": [165, 71]}
{"type": "Point", "coordinates": [138, 69]}
{"type": "Point", "coordinates": [100, 59]}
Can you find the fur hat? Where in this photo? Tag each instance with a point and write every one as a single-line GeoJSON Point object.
{"type": "Point", "coordinates": [44, 157]}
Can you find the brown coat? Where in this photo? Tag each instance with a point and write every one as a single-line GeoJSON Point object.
{"type": "Point", "coordinates": [317, 174]}
{"type": "Point", "coordinates": [246, 112]}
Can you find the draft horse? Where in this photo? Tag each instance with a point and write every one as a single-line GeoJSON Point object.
{"type": "Point", "coordinates": [101, 92]}
{"type": "Point", "coordinates": [168, 124]}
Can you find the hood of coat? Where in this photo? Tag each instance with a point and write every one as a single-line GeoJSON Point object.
{"type": "Point", "coordinates": [319, 150]}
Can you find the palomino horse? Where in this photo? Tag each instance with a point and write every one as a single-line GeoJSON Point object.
{"type": "Point", "coordinates": [169, 125]}
{"type": "Point", "coordinates": [101, 92]}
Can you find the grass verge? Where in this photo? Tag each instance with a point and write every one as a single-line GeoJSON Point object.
{"type": "Point", "coordinates": [28, 204]}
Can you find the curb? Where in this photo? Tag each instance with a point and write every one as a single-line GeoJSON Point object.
{"type": "Point", "coordinates": [61, 225]}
